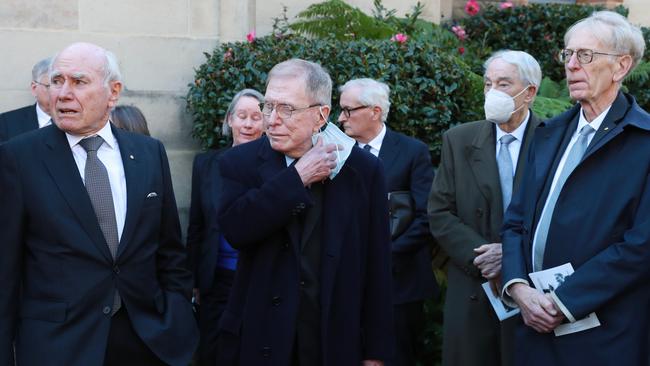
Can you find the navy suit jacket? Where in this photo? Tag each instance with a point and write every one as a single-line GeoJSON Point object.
{"type": "Point", "coordinates": [57, 272]}
{"type": "Point", "coordinates": [203, 229]}
{"type": "Point", "coordinates": [601, 225]}
{"type": "Point", "coordinates": [260, 194]}
{"type": "Point", "coordinates": [18, 121]}
{"type": "Point", "coordinates": [407, 164]}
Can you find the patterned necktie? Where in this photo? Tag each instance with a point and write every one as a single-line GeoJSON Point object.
{"type": "Point", "coordinates": [367, 148]}
{"type": "Point", "coordinates": [101, 197]}
{"type": "Point", "coordinates": [574, 157]}
{"type": "Point", "coordinates": [504, 161]}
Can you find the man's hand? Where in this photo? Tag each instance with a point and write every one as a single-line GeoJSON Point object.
{"type": "Point", "coordinates": [317, 163]}
{"type": "Point", "coordinates": [372, 363]}
{"type": "Point", "coordinates": [488, 260]}
{"type": "Point", "coordinates": [537, 309]}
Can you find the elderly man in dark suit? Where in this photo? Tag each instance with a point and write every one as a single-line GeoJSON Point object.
{"type": "Point", "coordinates": [313, 278]}
{"type": "Point", "coordinates": [92, 262]}
{"type": "Point", "coordinates": [482, 163]}
{"type": "Point", "coordinates": [34, 116]}
{"type": "Point", "coordinates": [365, 105]}
{"type": "Point", "coordinates": [585, 200]}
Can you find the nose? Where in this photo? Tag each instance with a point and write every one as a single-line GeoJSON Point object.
{"type": "Point", "coordinates": [573, 63]}
{"type": "Point", "coordinates": [341, 117]}
{"type": "Point", "coordinates": [273, 119]}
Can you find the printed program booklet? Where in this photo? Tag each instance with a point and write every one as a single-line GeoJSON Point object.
{"type": "Point", "coordinates": [502, 310]}
{"type": "Point", "coordinates": [547, 281]}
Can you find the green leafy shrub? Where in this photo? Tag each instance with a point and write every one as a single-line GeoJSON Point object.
{"type": "Point", "coordinates": [430, 88]}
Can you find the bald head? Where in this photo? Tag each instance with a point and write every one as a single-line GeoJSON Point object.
{"type": "Point", "coordinates": [84, 86]}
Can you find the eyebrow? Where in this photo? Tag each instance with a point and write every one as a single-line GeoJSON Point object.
{"type": "Point", "coordinates": [499, 79]}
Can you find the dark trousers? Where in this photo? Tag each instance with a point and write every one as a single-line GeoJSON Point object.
{"type": "Point", "coordinates": [213, 304]}
{"type": "Point", "coordinates": [124, 347]}
{"type": "Point", "coordinates": [409, 327]}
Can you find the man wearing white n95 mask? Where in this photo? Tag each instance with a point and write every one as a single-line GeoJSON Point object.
{"type": "Point", "coordinates": [481, 165]}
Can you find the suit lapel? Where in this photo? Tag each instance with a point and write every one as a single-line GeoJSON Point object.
{"type": "Point", "coordinates": [313, 214]}
{"type": "Point", "coordinates": [389, 150]}
{"type": "Point", "coordinates": [134, 173]}
{"type": "Point", "coordinates": [611, 126]}
{"type": "Point", "coordinates": [62, 167]}
{"type": "Point", "coordinates": [533, 122]}
{"type": "Point", "coordinates": [481, 157]}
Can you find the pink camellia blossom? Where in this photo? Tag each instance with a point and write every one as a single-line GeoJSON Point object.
{"type": "Point", "coordinates": [399, 38]}
{"type": "Point", "coordinates": [459, 32]}
{"type": "Point", "coordinates": [505, 5]}
{"type": "Point", "coordinates": [472, 7]}
{"type": "Point", "coordinates": [250, 37]}
{"type": "Point", "coordinates": [227, 55]}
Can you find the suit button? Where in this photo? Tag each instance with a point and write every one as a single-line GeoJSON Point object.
{"type": "Point", "coordinates": [116, 269]}
{"type": "Point", "coordinates": [479, 212]}
{"type": "Point", "coordinates": [303, 283]}
{"type": "Point", "coordinates": [285, 245]}
{"type": "Point", "coordinates": [266, 351]}
{"type": "Point", "coordinates": [276, 300]}
{"type": "Point", "coordinates": [301, 206]}
{"type": "Point", "coordinates": [473, 297]}
{"type": "Point", "coordinates": [106, 310]}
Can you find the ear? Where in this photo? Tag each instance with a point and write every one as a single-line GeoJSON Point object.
{"type": "Point", "coordinates": [33, 89]}
{"type": "Point", "coordinates": [622, 67]}
{"type": "Point", "coordinates": [530, 94]}
{"type": "Point", "coordinates": [114, 88]}
{"type": "Point", "coordinates": [324, 112]}
{"type": "Point", "coordinates": [376, 113]}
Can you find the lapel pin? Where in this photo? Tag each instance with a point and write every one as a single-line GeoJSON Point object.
{"type": "Point", "coordinates": [131, 157]}
{"type": "Point", "coordinates": [606, 128]}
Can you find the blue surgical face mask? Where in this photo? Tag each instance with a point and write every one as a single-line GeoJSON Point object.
{"type": "Point", "coordinates": [333, 135]}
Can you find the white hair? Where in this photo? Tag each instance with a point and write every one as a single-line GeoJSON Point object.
{"type": "Point", "coordinates": [373, 93]}
{"type": "Point", "coordinates": [318, 83]}
{"type": "Point", "coordinates": [614, 31]}
{"type": "Point", "coordinates": [530, 73]}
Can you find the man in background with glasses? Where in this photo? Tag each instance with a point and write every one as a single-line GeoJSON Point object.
{"type": "Point", "coordinates": [364, 110]}
{"type": "Point", "coordinates": [31, 117]}
{"type": "Point", "coordinates": [313, 278]}
{"type": "Point", "coordinates": [585, 200]}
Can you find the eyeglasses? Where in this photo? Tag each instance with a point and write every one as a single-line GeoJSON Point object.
{"type": "Point", "coordinates": [284, 111]}
{"type": "Point", "coordinates": [584, 56]}
{"type": "Point", "coordinates": [347, 111]}
{"type": "Point", "coordinates": [41, 84]}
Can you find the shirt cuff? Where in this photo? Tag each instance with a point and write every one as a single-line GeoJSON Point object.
{"type": "Point", "coordinates": [505, 294]}
{"type": "Point", "coordinates": [562, 308]}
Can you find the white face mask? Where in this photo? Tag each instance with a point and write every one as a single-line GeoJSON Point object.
{"type": "Point", "coordinates": [332, 135]}
{"type": "Point", "coordinates": [499, 106]}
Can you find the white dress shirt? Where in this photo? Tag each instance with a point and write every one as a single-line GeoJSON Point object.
{"type": "Point", "coordinates": [44, 119]}
{"type": "Point", "coordinates": [375, 144]}
{"type": "Point", "coordinates": [109, 155]}
{"type": "Point", "coordinates": [515, 146]}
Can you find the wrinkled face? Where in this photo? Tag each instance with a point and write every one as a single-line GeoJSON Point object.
{"type": "Point", "coordinates": [80, 100]}
{"type": "Point", "coordinates": [292, 136]}
{"type": "Point", "coordinates": [362, 123]}
{"type": "Point", "coordinates": [593, 81]}
{"type": "Point", "coordinates": [246, 121]}
{"type": "Point", "coordinates": [41, 92]}
{"type": "Point", "coordinates": [503, 76]}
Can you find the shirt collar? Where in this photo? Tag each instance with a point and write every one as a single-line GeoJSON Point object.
{"type": "Point", "coordinates": [105, 133]}
{"type": "Point", "coordinates": [43, 118]}
{"type": "Point", "coordinates": [595, 124]}
{"type": "Point", "coordinates": [377, 141]}
{"type": "Point", "coordinates": [519, 132]}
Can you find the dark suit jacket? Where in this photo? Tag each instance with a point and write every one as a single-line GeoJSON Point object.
{"type": "Point", "coordinates": [58, 274]}
{"type": "Point", "coordinates": [203, 229]}
{"type": "Point", "coordinates": [601, 225]}
{"type": "Point", "coordinates": [260, 195]}
{"type": "Point", "coordinates": [17, 121]}
{"type": "Point", "coordinates": [465, 212]}
{"type": "Point", "coordinates": [407, 164]}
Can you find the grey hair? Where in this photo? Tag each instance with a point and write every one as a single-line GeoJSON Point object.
{"type": "Point", "coordinates": [530, 73]}
{"type": "Point", "coordinates": [41, 68]}
{"type": "Point", "coordinates": [225, 128]}
{"type": "Point", "coordinates": [373, 93]}
{"type": "Point", "coordinates": [614, 31]}
{"type": "Point", "coordinates": [318, 82]}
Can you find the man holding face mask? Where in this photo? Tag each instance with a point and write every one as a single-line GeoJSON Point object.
{"type": "Point", "coordinates": [481, 165]}
{"type": "Point", "coordinates": [310, 221]}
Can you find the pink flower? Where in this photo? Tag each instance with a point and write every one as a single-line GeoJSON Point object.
{"type": "Point", "coordinates": [461, 50]}
{"type": "Point", "coordinates": [227, 55]}
{"type": "Point", "coordinates": [505, 5]}
{"type": "Point", "coordinates": [459, 32]}
{"type": "Point", "coordinates": [250, 37]}
{"type": "Point", "coordinates": [399, 38]}
{"type": "Point", "coordinates": [472, 7]}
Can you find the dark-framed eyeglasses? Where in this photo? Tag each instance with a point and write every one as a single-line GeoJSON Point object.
{"type": "Point", "coordinates": [347, 111]}
{"type": "Point", "coordinates": [284, 111]}
{"type": "Point", "coordinates": [47, 86]}
{"type": "Point", "coordinates": [584, 56]}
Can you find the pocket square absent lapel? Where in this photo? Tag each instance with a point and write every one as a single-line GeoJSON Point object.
{"type": "Point", "coordinates": [152, 195]}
